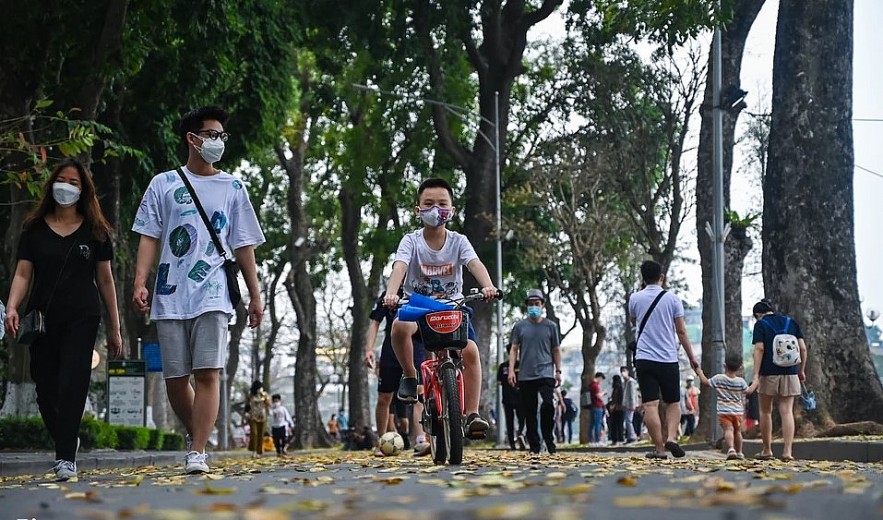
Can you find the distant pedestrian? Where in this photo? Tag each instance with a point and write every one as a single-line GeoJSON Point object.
{"type": "Point", "coordinates": [334, 427]}
{"type": "Point", "coordinates": [598, 409]}
{"type": "Point", "coordinates": [689, 406]}
{"type": "Point", "coordinates": [774, 381]}
{"type": "Point", "coordinates": [630, 403]}
{"type": "Point", "coordinates": [660, 318]}
{"type": "Point", "coordinates": [257, 411]}
{"type": "Point", "coordinates": [342, 420]}
{"type": "Point", "coordinates": [511, 404]}
{"type": "Point", "coordinates": [571, 410]}
{"type": "Point", "coordinates": [280, 424]}
{"type": "Point", "coordinates": [617, 412]}
{"type": "Point", "coordinates": [731, 390]}
{"type": "Point", "coordinates": [535, 344]}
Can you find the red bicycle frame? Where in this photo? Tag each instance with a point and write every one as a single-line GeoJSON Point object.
{"type": "Point", "coordinates": [431, 385]}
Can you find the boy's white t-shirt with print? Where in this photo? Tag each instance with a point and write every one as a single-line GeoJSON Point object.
{"type": "Point", "coordinates": [190, 279]}
{"type": "Point", "coordinates": [437, 274]}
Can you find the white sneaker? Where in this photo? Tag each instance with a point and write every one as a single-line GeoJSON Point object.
{"type": "Point", "coordinates": [196, 463]}
{"type": "Point", "coordinates": [64, 470]}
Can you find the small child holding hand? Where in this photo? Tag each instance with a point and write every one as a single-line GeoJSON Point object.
{"type": "Point", "coordinates": [731, 390]}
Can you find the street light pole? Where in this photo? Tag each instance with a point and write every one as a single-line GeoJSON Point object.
{"type": "Point", "coordinates": [499, 400]}
{"type": "Point", "coordinates": [716, 230]}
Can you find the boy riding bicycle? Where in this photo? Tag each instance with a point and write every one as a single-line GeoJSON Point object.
{"type": "Point", "coordinates": [429, 261]}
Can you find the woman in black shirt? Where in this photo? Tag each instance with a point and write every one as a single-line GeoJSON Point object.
{"type": "Point", "coordinates": [65, 250]}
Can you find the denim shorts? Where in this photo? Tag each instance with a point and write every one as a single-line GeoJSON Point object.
{"type": "Point", "coordinates": [194, 344]}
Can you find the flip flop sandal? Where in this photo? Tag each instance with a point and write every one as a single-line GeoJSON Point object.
{"type": "Point", "coordinates": [675, 449]}
{"type": "Point", "coordinates": [659, 456]}
{"type": "Point", "coordinates": [761, 456]}
{"type": "Point", "coordinates": [789, 458]}
{"type": "Point", "coordinates": [732, 455]}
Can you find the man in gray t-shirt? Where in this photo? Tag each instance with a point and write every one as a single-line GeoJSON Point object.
{"type": "Point", "coordinates": [535, 345]}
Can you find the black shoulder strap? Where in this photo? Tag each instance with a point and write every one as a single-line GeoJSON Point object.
{"type": "Point", "coordinates": [648, 313]}
{"type": "Point", "coordinates": [202, 214]}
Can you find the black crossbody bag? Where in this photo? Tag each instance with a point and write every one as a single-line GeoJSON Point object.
{"type": "Point", "coordinates": [33, 324]}
{"type": "Point", "coordinates": [231, 270]}
{"type": "Point", "coordinates": [634, 345]}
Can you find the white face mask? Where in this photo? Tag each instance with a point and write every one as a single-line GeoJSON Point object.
{"type": "Point", "coordinates": [65, 194]}
{"type": "Point", "coordinates": [212, 149]}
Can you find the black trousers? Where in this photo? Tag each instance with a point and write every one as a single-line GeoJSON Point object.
{"type": "Point", "coordinates": [511, 411]}
{"type": "Point", "coordinates": [279, 438]}
{"type": "Point", "coordinates": [617, 426]}
{"type": "Point", "coordinates": [61, 367]}
{"type": "Point", "coordinates": [530, 392]}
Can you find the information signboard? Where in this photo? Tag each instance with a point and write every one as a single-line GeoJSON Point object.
{"type": "Point", "coordinates": [126, 392]}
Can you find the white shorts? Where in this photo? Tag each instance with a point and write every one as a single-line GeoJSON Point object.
{"type": "Point", "coordinates": [194, 344]}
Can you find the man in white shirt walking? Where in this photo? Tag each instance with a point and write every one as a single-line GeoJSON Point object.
{"type": "Point", "coordinates": [659, 315]}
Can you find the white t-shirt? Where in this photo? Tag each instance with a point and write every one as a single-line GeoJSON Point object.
{"type": "Point", "coordinates": [658, 341]}
{"type": "Point", "coordinates": [190, 279]}
{"type": "Point", "coordinates": [438, 274]}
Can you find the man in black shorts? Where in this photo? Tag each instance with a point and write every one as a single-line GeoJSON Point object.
{"type": "Point", "coordinates": [659, 316]}
{"type": "Point", "coordinates": [389, 376]}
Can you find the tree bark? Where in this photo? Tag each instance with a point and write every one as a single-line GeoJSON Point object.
{"type": "Point", "coordinates": [809, 266]}
{"type": "Point", "coordinates": [733, 38]}
{"type": "Point", "coordinates": [351, 209]}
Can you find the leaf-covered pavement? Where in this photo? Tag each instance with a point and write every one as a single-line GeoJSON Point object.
{"type": "Point", "coordinates": [490, 484]}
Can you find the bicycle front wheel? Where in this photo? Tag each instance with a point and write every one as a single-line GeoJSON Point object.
{"type": "Point", "coordinates": [452, 419]}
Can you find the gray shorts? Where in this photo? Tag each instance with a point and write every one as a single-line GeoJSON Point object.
{"type": "Point", "coordinates": [194, 344]}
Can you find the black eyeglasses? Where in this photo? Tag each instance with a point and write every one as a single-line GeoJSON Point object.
{"type": "Point", "coordinates": [214, 134]}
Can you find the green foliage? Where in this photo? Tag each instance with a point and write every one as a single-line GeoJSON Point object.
{"type": "Point", "coordinates": [97, 434]}
{"type": "Point", "coordinates": [132, 437]}
{"type": "Point", "coordinates": [172, 442]}
{"type": "Point", "coordinates": [156, 439]}
{"type": "Point", "coordinates": [24, 432]}
{"type": "Point", "coordinates": [740, 223]}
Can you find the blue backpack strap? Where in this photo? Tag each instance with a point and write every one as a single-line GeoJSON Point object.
{"type": "Point", "coordinates": [787, 325]}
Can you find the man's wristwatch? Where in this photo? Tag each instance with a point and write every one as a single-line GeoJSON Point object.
{"type": "Point", "coordinates": [557, 371]}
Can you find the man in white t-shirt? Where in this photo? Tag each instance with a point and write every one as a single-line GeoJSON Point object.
{"type": "Point", "coordinates": [659, 316]}
{"type": "Point", "coordinates": [191, 305]}
{"type": "Point", "coordinates": [430, 262]}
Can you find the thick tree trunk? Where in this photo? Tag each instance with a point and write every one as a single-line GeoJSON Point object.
{"type": "Point", "coordinates": [736, 249]}
{"type": "Point", "coordinates": [732, 47]}
{"type": "Point", "coordinates": [359, 410]}
{"type": "Point", "coordinates": [809, 266]}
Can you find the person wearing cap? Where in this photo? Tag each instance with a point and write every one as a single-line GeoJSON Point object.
{"type": "Point", "coordinates": [773, 381]}
{"type": "Point", "coordinates": [689, 406]}
{"type": "Point", "coordinates": [535, 345]}
{"type": "Point", "coordinates": [659, 315]}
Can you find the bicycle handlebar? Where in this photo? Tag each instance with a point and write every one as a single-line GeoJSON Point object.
{"type": "Point", "coordinates": [456, 302]}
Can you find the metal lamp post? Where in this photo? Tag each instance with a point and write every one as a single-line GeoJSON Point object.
{"type": "Point", "coordinates": [468, 116]}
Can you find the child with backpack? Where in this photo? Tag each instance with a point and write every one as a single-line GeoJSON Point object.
{"type": "Point", "coordinates": [731, 389]}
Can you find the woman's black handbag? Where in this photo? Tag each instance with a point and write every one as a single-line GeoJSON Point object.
{"type": "Point", "coordinates": [231, 270]}
{"type": "Point", "coordinates": [33, 324]}
{"type": "Point", "coordinates": [31, 327]}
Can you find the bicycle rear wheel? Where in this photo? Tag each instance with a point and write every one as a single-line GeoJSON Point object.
{"type": "Point", "coordinates": [452, 419]}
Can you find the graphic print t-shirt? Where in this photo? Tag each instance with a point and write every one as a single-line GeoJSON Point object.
{"type": "Point", "coordinates": [190, 279]}
{"type": "Point", "coordinates": [437, 274]}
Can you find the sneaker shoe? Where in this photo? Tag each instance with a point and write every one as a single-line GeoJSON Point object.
{"type": "Point", "coordinates": [196, 463]}
{"type": "Point", "coordinates": [422, 449]}
{"type": "Point", "coordinates": [64, 470]}
{"type": "Point", "coordinates": [408, 390]}
{"type": "Point", "coordinates": [475, 424]}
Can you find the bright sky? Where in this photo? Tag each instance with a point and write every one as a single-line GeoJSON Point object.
{"type": "Point", "coordinates": [757, 72]}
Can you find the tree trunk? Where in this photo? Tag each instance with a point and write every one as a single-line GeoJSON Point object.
{"type": "Point", "coordinates": [360, 408]}
{"type": "Point", "coordinates": [736, 249]}
{"type": "Point", "coordinates": [733, 38]}
{"type": "Point", "coordinates": [809, 266]}
{"type": "Point", "coordinates": [309, 431]}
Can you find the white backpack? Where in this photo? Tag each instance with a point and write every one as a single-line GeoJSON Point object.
{"type": "Point", "coordinates": [786, 349]}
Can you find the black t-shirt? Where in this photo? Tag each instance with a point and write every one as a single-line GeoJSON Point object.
{"type": "Point", "coordinates": [765, 329]}
{"type": "Point", "coordinates": [510, 393]}
{"type": "Point", "coordinates": [76, 292]}
{"type": "Point", "coordinates": [378, 314]}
